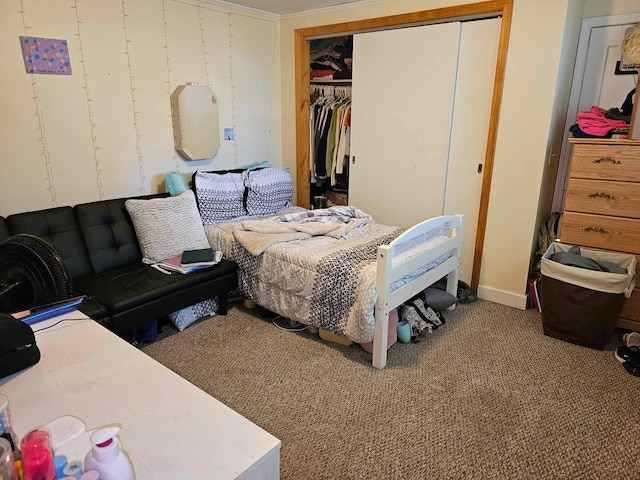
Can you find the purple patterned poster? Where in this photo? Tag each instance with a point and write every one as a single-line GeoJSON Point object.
{"type": "Point", "coordinates": [46, 55]}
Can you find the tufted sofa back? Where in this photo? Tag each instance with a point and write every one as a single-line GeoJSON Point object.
{"type": "Point", "coordinates": [90, 237]}
{"type": "Point", "coordinates": [108, 233]}
{"type": "Point", "coordinates": [59, 227]}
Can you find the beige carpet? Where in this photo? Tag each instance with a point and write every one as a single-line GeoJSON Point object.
{"type": "Point", "coordinates": [486, 396]}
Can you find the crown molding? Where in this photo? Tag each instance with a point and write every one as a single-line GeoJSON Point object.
{"type": "Point", "coordinates": [235, 8]}
{"type": "Point", "coordinates": [334, 8]}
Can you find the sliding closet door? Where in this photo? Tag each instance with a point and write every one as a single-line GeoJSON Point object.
{"type": "Point", "coordinates": [471, 113]}
{"type": "Point", "coordinates": [403, 92]}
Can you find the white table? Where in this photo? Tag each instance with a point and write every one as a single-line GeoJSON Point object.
{"type": "Point", "coordinates": [170, 428]}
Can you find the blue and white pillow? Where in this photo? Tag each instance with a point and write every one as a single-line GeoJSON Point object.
{"type": "Point", "coordinates": [185, 317]}
{"type": "Point", "coordinates": [220, 196]}
{"type": "Point", "coordinates": [269, 190]}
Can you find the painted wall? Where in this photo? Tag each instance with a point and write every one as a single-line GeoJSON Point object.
{"type": "Point", "coordinates": [532, 70]}
{"type": "Point", "coordinates": [106, 131]}
{"type": "Point", "coordinates": [559, 113]}
{"type": "Point", "coordinates": [600, 8]}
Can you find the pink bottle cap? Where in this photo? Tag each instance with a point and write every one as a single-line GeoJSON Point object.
{"type": "Point", "coordinates": [90, 475]}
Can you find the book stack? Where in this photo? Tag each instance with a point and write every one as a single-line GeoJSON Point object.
{"type": "Point", "coordinates": [533, 284]}
{"type": "Point", "coordinates": [189, 261]}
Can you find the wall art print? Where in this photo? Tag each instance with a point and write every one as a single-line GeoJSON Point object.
{"type": "Point", "coordinates": [46, 55]}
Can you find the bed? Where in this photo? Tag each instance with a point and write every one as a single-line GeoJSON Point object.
{"type": "Point", "coordinates": [335, 268]}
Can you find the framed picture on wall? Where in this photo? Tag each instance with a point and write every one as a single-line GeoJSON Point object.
{"type": "Point", "coordinates": [45, 55]}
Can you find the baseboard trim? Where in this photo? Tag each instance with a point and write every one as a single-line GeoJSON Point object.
{"type": "Point", "coordinates": [502, 297]}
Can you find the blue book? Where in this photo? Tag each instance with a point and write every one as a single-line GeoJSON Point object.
{"type": "Point", "coordinates": [52, 309]}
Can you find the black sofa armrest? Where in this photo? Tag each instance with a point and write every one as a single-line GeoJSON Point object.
{"type": "Point", "coordinates": [4, 230]}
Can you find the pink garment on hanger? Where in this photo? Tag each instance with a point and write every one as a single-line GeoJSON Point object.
{"type": "Point", "coordinates": [595, 123]}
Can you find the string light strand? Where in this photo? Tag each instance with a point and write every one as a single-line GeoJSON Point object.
{"type": "Point", "coordinates": [169, 82]}
{"type": "Point", "coordinates": [91, 113]}
{"type": "Point", "coordinates": [41, 127]}
{"type": "Point", "coordinates": [136, 119]}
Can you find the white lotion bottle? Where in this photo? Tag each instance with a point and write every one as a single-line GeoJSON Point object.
{"type": "Point", "coordinates": [107, 457]}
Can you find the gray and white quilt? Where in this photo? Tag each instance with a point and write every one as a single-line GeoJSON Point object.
{"type": "Point", "coordinates": [325, 280]}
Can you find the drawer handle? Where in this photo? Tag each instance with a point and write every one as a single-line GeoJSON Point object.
{"type": "Point", "coordinates": [595, 229]}
{"type": "Point", "coordinates": [602, 195]}
{"type": "Point", "coordinates": [608, 159]}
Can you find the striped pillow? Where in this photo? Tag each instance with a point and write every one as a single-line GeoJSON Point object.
{"type": "Point", "coordinates": [220, 196]}
{"type": "Point", "coordinates": [269, 190]}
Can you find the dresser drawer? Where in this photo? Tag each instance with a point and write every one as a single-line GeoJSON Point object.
{"type": "Point", "coordinates": [599, 231]}
{"type": "Point", "coordinates": [606, 162]}
{"type": "Point", "coordinates": [629, 324]}
{"type": "Point", "coordinates": [621, 199]}
{"type": "Point", "coordinates": [631, 307]}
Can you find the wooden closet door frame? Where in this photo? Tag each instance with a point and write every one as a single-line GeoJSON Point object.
{"type": "Point", "coordinates": [470, 11]}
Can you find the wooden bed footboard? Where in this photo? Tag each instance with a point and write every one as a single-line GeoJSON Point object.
{"type": "Point", "coordinates": [452, 226]}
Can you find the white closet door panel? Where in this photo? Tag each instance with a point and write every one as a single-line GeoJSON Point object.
{"type": "Point", "coordinates": [403, 87]}
{"type": "Point", "coordinates": [471, 113]}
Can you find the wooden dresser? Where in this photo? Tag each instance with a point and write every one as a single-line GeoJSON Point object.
{"type": "Point", "coordinates": [602, 205]}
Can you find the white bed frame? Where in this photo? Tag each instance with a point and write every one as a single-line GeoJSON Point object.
{"type": "Point", "coordinates": [387, 274]}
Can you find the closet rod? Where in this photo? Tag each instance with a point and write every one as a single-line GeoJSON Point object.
{"type": "Point", "coordinates": [342, 91]}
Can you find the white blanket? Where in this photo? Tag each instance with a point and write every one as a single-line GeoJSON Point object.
{"type": "Point", "coordinates": [258, 235]}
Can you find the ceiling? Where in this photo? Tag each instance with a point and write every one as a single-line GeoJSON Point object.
{"type": "Point", "coordinates": [284, 7]}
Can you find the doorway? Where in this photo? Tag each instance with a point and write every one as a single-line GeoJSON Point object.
{"type": "Point", "coordinates": [595, 82]}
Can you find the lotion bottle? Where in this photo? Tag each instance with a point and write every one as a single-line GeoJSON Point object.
{"type": "Point", "coordinates": [107, 457]}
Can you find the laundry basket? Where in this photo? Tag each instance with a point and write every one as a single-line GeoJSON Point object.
{"type": "Point", "coordinates": [582, 306]}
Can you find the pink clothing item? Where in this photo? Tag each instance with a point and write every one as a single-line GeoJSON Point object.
{"type": "Point", "coordinates": [392, 336]}
{"type": "Point", "coordinates": [595, 123]}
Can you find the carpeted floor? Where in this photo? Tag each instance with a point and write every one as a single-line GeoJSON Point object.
{"type": "Point", "coordinates": [486, 396]}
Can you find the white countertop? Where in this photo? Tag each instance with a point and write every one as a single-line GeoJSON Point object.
{"type": "Point", "coordinates": [170, 428]}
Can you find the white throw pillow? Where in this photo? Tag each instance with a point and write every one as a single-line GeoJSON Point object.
{"type": "Point", "coordinates": [166, 227]}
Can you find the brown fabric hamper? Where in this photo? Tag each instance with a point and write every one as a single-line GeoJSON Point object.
{"type": "Point", "coordinates": [582, 306]}
{"type": "Point", "coordinates": [577, 314]}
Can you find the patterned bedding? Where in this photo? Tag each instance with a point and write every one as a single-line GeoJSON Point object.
{"type": "Point", "coordinates": [319, 281]}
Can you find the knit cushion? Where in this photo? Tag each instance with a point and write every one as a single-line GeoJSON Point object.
{"type": "Point", "coordinates": [176, 182]}
{"type": "Point", "coordinates": [219, 196]}
{"type": "Point", "coordinates": [166, 227]}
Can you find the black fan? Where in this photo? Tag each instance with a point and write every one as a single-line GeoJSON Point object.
{"type": "Point", "coordinates": [31, 274]}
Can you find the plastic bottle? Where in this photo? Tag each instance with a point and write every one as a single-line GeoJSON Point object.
{"type": "Point", "coordinates": [37, 456]}
{"type": "Point", "coordinates": [107, 457]}
{"type": "Point", "coordinates": [7, 465]}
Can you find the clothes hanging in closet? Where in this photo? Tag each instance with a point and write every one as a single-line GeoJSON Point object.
{"type": "Point", "coordinates": [330, 125]}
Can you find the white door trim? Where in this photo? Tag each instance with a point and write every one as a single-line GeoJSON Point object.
{"type": "Point", "coordinates": [572, 111]}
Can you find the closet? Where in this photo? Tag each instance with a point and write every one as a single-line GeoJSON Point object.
{"type": "Point", "coordinates": [420, 112]}
{"type": "Point", "coordinates": [473, 123]}
{"type": "Point", "coordinates": [330, 120]}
